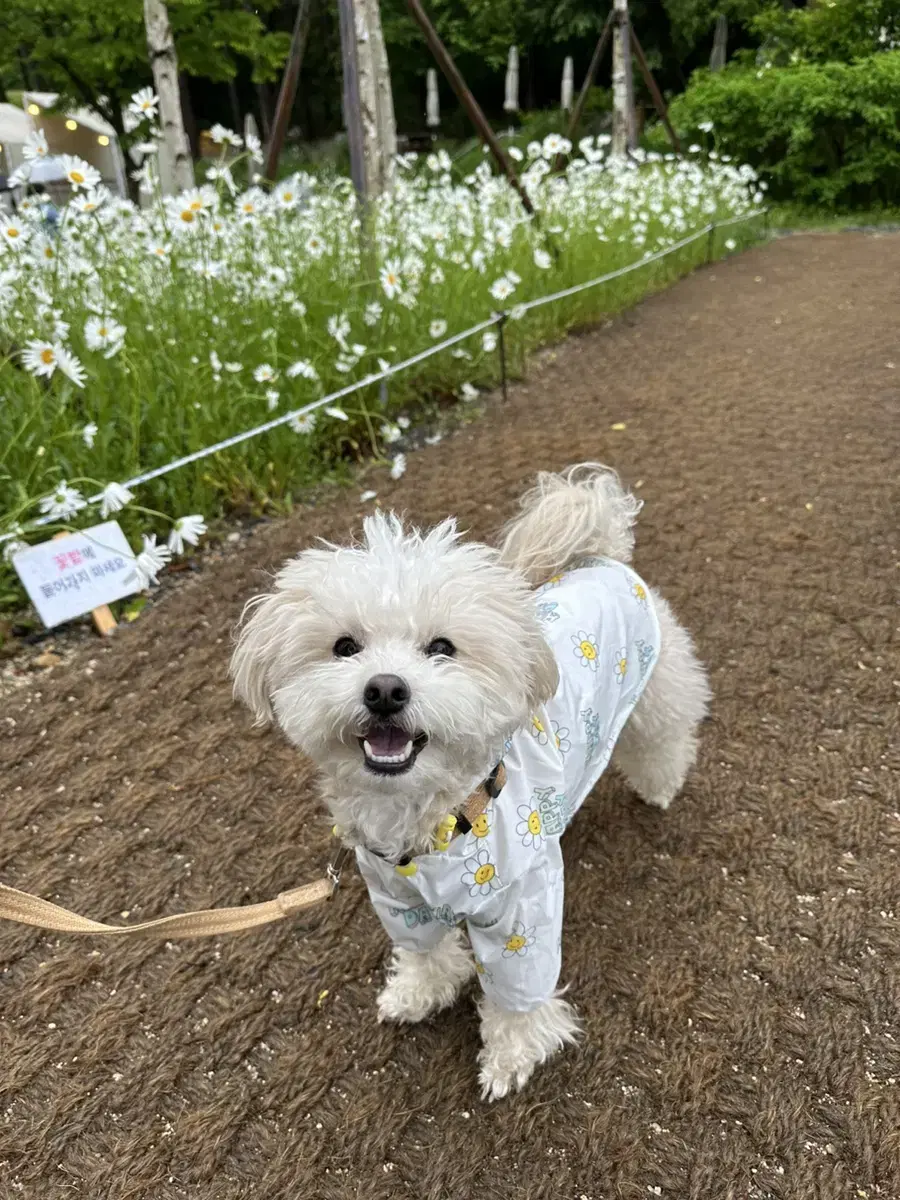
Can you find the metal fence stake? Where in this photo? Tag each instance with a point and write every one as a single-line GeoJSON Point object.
{"type": "Point", "coordinates": [501, 346]}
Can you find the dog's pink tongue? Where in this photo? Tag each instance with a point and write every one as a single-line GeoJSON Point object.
{"type": "Point", "coordinates": [388, 740]}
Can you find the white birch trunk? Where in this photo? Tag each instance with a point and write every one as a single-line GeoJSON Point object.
{"type": "Point", "coordinates": [176, 169]}
{"type": "Point", "coordinates": [568, 85]}
{"type": "Point", "coordinates": [511, 98]}
{"type": "Point", "coordinates": [623, 127]}
{"type": "Point", "coordinates": [376, 102]}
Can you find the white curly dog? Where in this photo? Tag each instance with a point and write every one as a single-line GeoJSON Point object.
{"type": "Point", "coordinates": [409, 667]}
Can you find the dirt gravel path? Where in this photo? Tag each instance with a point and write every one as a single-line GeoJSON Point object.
{"type": "Point", "coordinates": [736, 961]}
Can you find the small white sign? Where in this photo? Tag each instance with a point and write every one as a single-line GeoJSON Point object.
{"type": "Point", "coordinates": [68, 576]}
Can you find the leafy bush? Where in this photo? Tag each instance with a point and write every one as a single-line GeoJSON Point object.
{"type": "Point", "coordinates": [822, 133]}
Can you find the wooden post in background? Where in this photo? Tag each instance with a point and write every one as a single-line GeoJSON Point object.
{"type": "Point", "coordinates": [288, 92]}
{"type": "Point", "coordinates": [468, 101]}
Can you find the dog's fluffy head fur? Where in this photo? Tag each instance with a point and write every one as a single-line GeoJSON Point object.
{"type": "Point", "coordinates": [395, 595]}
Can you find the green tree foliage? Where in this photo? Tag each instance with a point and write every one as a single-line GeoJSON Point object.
{"type": "Point", "coordinates": [823, 133]}
{"type": "Point", "coordinates": [837, 31]}
{"type": "Point", "coordinates": [95, 52]}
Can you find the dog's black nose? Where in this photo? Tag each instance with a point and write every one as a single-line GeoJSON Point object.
{"type": "Point", "coordinates": [385, 695]}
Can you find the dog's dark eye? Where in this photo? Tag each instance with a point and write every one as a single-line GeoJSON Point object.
{"type": "Point", "coordinates": [346, 647]}
{"type": "Point", "coordinates": [440, 646]}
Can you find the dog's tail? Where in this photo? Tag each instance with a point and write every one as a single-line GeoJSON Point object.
{"type": "Point", "coordinates": [584, 512]}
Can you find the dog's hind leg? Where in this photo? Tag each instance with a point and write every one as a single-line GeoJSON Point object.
{"type": "Point", "coordinates": [421, 984]}
{"type": "Point", "coordinates": [658, 745]}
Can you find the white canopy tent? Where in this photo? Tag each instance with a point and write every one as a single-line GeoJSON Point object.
{"type": "Point", "coordinates": [78, 131]}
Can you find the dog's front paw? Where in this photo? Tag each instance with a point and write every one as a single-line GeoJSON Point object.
{"type": "Point", "coordinates": [516, 1042]}
{"type": "Point", "coordinates": [498, 1079]}
{"type": "Point", "coordinates": [421, 984]}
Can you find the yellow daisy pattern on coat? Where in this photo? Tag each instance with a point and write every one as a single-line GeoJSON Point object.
{"type": "Point", "coordinates": [621, 665]}
{"type": "Point", "coordinates": [639, 592]}
{"type": "Point", "coordinates": [480, 875]}
{"type": "Point", "coordinates": [519, 941]}
{"type": "Point", "coordinates": [481, 826]}
{"type": "Point", "coordinates": [538, 732]}
{"type": "Point", "coordinates": [561, 738]}
{"type": "Point", "coordinates": [586, 649]}
{"type": "Point", "coordinates": [530, 827]}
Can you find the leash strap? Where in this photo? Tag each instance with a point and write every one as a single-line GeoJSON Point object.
{"type": "Point", "coordinates": [31, 910]}
{"type": "Point", "coordinates": [209, 922]}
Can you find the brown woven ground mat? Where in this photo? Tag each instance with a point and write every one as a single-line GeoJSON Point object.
{"type": "Point", "coordinates": [736, 960]}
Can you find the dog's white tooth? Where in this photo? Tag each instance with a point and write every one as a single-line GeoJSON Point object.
{"type": "Point", "coordinates": [407, 751]}
{"type": "Point", "coordinates": [368, 749]}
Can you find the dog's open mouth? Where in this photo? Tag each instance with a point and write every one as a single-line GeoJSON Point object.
{"type": "Point", "coordinates": [390, 750]}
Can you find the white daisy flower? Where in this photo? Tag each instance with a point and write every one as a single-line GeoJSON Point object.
{"type": "Point", "coordinates": [302, 368]}
{"type": "Point", "coordinates": [254, 145]}
{"type": "Point", "coordinates": [13, 547]}
{"type": "Point", "coordinates": [103, 333]}
{"type": "Point", "coordinates": [265, 373]}
{"type": "Point", "coordinates": [501, 289]}
{"type": "Point", "coordinates": [372, 313]}
{"type": "Point", "coordinates": [337, 413]}
{"type": "Point", "coordinates": [390, 279]}
{"type": "Point", "coordinates": [63, 501]}
{"type": "Point", "coordinates": [489, 341]}
{"type": "Point", "coordinates": [365, 496]}
{"type": "Point", "coordinates": [144, 103]}
{"type": "Point", "coordinates": [35, 146]}
{"type": "Point", "coordinates": [88, 434]}
{"type": "Point", "coordinates": [315, 247]}
{"type": "Point", "coordinates": [437, 329]}
{"type": "Point", "coordinates": [398, 466]}
{"type": "Point", "coordinates": [115, 497]}
{"type": "Point", "coordinates": [14, 232]}
{"type": "Point", "coordinates": [303, 424]}
{"type": "Point", "coordinates": [186, 530]}
{"type": "Point", "coordinates": [79, 173]}
{"type": "Point", "coordinates": [391, 433]}
{"type": "Point", "coordinates": [339, 328]}
{"type": "Point", "coordinates": [542, 259]}
{"type": "Point", "coordinates": [223, 136]}
{"type": "Point", "coordinates": [272, 398]}
{"type": "Point", "coordinates": [233, 368]}
{"type": "Point", "coordinates": [151, 561]}
{"type": "Point", "coordinates": [515, 153]}
{"type": "Point", "coordinates": [468, 393]}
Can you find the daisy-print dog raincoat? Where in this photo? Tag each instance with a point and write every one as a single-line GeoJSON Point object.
{"type": "Point", "coordinates": [504, 879]}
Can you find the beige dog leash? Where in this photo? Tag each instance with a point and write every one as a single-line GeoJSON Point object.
{"type": "Point", "coordinates": [27, 909]}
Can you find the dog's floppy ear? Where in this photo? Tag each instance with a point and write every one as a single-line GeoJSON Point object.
{"type": "Point", "coordinates": [264, 629]}
{"type": "Point", "coordinates": [544, 674]}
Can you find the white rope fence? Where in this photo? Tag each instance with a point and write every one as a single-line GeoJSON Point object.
{"type": "Point", "coordinates": [498, 318]}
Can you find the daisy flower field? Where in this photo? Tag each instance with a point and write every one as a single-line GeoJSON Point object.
{"type": "Point", "coordinates": [134, 334]}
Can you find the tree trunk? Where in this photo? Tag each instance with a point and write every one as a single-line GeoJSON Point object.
{"type": "Point", "coordinates": [377, 104]}
{"type": "Point", "coordinates": [176, 168]}
{"type": "Point", "coordinates": [623, 127]}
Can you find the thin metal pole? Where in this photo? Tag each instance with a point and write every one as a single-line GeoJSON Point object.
{"type": "Point", "coordinates": [288, 92]}
{"type": "Point", "coordinates": [467, 100]}
{"type": "Point", "coordinates": [658, 102]}
{"type": "Point", "coordinates": [501, 346]}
